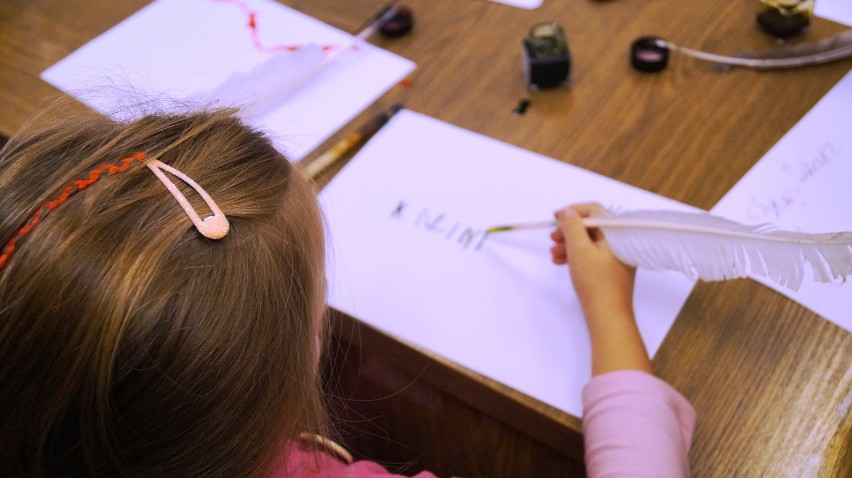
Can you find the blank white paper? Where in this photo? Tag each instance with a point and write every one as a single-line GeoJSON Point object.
{"type": "Point", "coordinates": [192, 50]}
{"type": "Point", "coordinates": [528, 4]}
{"type": "Point", "coordinates": [839, 11]}
{"type": "Point", "coordinates": [405, 220]}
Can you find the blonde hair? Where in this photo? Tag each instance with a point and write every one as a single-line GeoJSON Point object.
{"type": "Point", "coordinates": [130, 344]}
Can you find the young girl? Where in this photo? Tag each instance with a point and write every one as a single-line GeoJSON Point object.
{"type": "Point", "coordinates": [140, 337]}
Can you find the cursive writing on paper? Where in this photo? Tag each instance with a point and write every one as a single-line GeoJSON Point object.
{"type": "Point", "coordinates": [768, 206]}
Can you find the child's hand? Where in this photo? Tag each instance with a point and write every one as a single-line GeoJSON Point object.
{"type": "Point", "coordinates": [603, 284]}
{"type": "Point", "coordinates": [605, 288]}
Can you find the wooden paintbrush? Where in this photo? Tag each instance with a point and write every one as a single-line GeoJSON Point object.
{"type": "Point", "coordinates": [339, 150]}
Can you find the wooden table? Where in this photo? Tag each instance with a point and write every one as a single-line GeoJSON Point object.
{"type": "Point", "coordinates": [771, 381]}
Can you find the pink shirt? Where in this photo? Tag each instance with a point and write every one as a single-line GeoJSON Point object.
{"type": "Point", "coordinates": [635, 425]}
{"type": "Point", "coordinates": [304, 464]}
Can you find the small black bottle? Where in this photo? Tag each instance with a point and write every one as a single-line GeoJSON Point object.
{"type": "Point", "coordinates": [784, 18]}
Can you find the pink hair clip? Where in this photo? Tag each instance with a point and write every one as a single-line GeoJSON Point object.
{"type": "Point", "coordinates": [212, 227]}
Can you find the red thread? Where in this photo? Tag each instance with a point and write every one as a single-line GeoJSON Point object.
{"type": "Point", "coordinates": [255, 34]}
{"type": "Point", "coordinates": [71, 189]}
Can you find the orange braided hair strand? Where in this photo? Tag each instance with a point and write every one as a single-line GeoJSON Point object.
{"type": "Point", "coordinates": [71, 189]}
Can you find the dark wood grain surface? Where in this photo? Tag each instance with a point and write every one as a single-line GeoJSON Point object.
{"type": "Point", "coordinates": [771, 381]}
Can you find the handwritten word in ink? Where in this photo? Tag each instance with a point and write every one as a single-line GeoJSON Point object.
{"type": "Point", "coordinates": [252, 23]}
{"type": "Point", "coordinates": [796, 173]}
{"type": "Point", "coordinates": [440, 225]}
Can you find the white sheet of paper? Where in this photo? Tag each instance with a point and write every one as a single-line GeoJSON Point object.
{"type": "Point", "coordinates": [528, 4]}
{"type": "Point", "coordinates": [406, 254]}
{"type": "Point", "coordinates": [803, 184]}
{"type": "Point", "coordinates": [188, 49]}
{"type": "Point", "coordinates": [839, 11]}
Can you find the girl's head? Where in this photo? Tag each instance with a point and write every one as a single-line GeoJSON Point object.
{"type": "Point", "coordinates": [129, 343]}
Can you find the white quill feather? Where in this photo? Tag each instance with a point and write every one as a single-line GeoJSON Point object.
{"type": "Point", "coordinates": [837, 47]}
{"type": "Point", "coordinates": [713, 248]}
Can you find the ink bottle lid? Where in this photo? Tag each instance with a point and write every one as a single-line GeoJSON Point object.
{"type": "Point", "coordinates": [399, 23]}
{"type": "Point", "coordinates": [647, 55]}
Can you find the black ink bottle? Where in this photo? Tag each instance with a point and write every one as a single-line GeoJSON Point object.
{"type": "Point", "coordinates": [784, 18]}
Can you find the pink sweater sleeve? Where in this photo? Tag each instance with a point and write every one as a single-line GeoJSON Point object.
{"type": "Point", "coordinates": [635, 425]}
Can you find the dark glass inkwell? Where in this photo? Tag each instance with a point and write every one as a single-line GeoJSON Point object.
{"type": "Point", "coordinates": [784, 18]}
{"type": "Point", "coordinates": [547, 60]}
